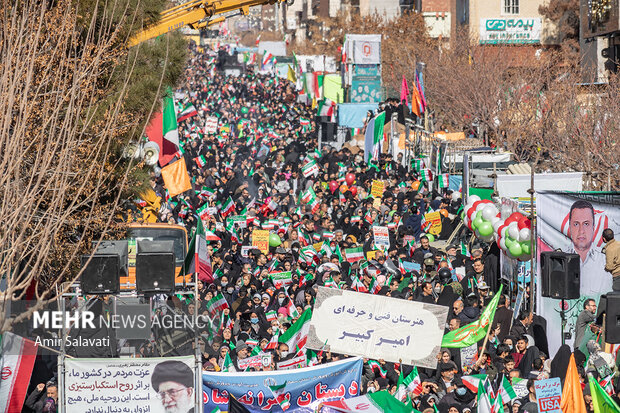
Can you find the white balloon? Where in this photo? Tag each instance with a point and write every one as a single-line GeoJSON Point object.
{"type": "Point", "coordinates": [480, 207]}
{"type": "Point", "coordinates": [513, 232]}
{"type": "Point", "coordinates": [525, 234]}
{"type": "Point", "coordinates": [456, 195]}
{"type": "Point", "coordinates": [502, 243]}
{"type": "Point", "coordinates": [494, 221]}
{"type": "Point", "coordinates": [466, 221]}
{"type": "Point", "coordinates": [473, 198]}
{"type": "Point", "coordinates": [498, 224]}
{"type": "Point", "coordinates": [489, 212]}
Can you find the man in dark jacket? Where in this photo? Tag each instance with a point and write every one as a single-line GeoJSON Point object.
{"type": "Point", "coordinates": [503, 317]}
{"type": "Point", "coordinates": [43, 402]}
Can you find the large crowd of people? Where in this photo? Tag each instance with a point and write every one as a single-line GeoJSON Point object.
{"type": "Point", "coordinates": [255, 158]}
{"type": "Point", "coordinates": [263, 163]}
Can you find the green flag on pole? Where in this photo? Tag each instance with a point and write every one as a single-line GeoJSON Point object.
{"type": "Point", "coordinates": [473, 332]}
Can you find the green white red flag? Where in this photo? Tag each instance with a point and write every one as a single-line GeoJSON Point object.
{"type": "Point", "coordinates": [170, 128]}
{"type": "Point", "coordinates": [17, 357]}
{"type": "Point", "coordinates": [297, 334]}
{"type": "Point", "coordinates": [282, 397]}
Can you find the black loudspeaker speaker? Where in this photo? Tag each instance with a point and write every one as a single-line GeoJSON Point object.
{"type": "Point", "coordinates": [612, 318]}
{"type": "Point", "coordinates": [155, 267]}
{"type": "Point", "coordinates": [328, 131]}
{"type": "Point", "coordinates": [102, 274]}
{"type": "Point", "coordinates": [560, 275]}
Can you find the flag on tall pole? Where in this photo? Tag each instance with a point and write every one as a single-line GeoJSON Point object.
{"type": "Point", "coordinates": [404, 91]}
{"type": "Point", "coordinates": [197, 259]}
{"type": "Point", "coordinates": [170, 128]}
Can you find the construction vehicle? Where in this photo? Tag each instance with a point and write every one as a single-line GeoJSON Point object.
{"type": "Point", "coordinates": [198, 14]}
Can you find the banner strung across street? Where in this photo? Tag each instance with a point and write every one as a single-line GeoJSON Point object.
{"type": "Point", "coordinates": [573, 222]}
{"type": "Point", "coordinates": [305, 388]}
{"type": "Point", "coordinates": [131, 385]}
{"type": "Point", "coordinates": [377, 327]}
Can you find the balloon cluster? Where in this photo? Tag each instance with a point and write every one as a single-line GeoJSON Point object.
{"type": "Point", "coordinates": [513, 235]}
{"type": "Point", "coordinates": [347, 186]}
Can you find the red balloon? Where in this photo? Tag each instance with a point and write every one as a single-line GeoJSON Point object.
{"type": "Point", "coordinates": [514, 217]}
{"type": "Point", "coordinates": [524, 223]}
{"type": "Point", "coordinates": [349, 178]}
{"type": "Point", "coordinates": [353, 190]}
{"type": "Point", "coordinates": [472, 210]}
{"type": "Point", "coordinates": [333, 185]}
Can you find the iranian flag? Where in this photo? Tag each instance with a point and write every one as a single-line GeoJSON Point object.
{"type": "Point", "coordinates": [426, 175]}
{"type": "Point", "coordinates": [282, 397]}
{"type": "Point", "coordinates": [358, 286]}
{"type": "Point", "coordinates": [268, 57]}
{"type": "Point", "coordinates": [227, 364]}
{"type": "Point", "coordinates": [228, 207]}
{"type": "Point", "coordinates": [326, 108]}
{"type": "Point", "coordinates": [201, 161]}
{"type": "Point", "coordinates": [444, 180]}
{"type": "Point", "coordinates": [273, 343]}
{"type": "Point", "coordinates": [197, 259]}
{"type": "Point", "coordinates": [377, 402]}
{"type": "Point", "coordinates": [187, 112]}
{"type": "Point", "coordinates": [354, 254]}
{"type": "Point", "coordinates": [506, 391]}
{"type": "Point", "coordinates": [355, 219]}
{"type": "Point", "coordinates": [216, 304]}
{"type": "Point", "coordinates": [16, 361]}
{"type": "Point", "coordinates": [203, 212]}
{"type": "Point", "coordinates": [271, 315]}
{"type": "Point", "coordinates": [170, 128]}
{"type": "Point", "coordinates": [484, 399]}
{"type": "Point", "coordinates": [411, 383]}
{"type": "Point", "coordinates": [297, 334]}
{"type": "Point", "coordinates": [309, 169]}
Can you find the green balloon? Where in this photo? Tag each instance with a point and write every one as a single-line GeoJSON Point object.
{"type": "Point", "coordinates": [485, 228]}
{"type": "Point", "coordinates": [430, 237]}
{"type": "Point", "coordinates": [274, 240]}
{"type": "Point", "coordinates": [244, 110]}
{"type": "Point", "coordinates": [515, 249]}
{"type": "Point", "coordinates": [477, 222]}
{"type": "Point", "coordinates": [508, 242]}
{"type": "Point", "coordinates": [479, 215]}
{"type": "Point", "coordinates": [526, 247]}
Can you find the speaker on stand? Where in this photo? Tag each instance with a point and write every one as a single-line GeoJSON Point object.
{"type": "Point", "coordinates": [102, 270]}
{"type": "Point", "coordinates": [560, 278]}
{"type": "Point", "coordinates": [155, 267]}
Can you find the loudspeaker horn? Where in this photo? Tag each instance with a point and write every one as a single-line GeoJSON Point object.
{"type": "Point", "coordinates": [150, 153]}
{"type": "Point", "coordinates": [132, 150]}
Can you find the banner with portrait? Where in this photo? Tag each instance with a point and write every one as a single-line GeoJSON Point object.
{"type": "Point", "coordinates": [305, 388]}
{"type": "Point", "coordinates": [573, 222]}
{"type": "Point", "coordinates": [130, 385]}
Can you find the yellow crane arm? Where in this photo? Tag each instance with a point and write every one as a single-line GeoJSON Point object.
{"type": "Point", "coordinates": [192, 13]}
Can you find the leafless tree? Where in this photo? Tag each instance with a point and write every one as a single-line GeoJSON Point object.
{"type": "Point", "coordinates": [61, 120]}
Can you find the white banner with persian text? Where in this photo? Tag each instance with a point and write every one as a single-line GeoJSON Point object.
{"type": "Point", "coordinates": [377, 327]}
{"type": "Point", "coordinates": [93, 385]}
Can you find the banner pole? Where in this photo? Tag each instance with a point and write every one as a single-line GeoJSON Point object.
{"type": "Point", "coordinates": [532, 239]}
